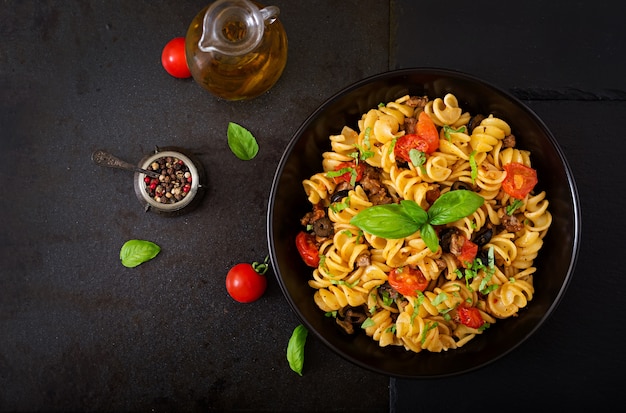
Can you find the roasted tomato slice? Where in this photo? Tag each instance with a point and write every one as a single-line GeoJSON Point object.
{"type": "Point", "coordinates": [406, 143]}
{"type": "Point", "coordinates": [519, 181]}
{"type": "Point", "coordinates": [350, 168]}
{"type": "Point", "coordinates": [425, 139]}
{"type": "Point", "coordinates": [427, 130]}
{"type": "Point", "coordinates": [470, 316]}
{"type": "Point", "coordinates": [468, 253]}
{"type": "Point", "coordinates": [407, 281]}
{"type": "Point", "coordinates": [305, 243]}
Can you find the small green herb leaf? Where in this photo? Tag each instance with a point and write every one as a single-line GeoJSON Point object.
{"type": "Point", "coordinates": [453, 206]}
{"type": "Point", "coordinates": [517, 203]}
{"type": "Point", "coordinates": [447, 130]}
{"type": "Point", "coordinates": [135, 252]}
{"type": "Point", "coordinates": [353, 174]}
{"type": "Point", "coordinates": [386, 221]}
{"type": "Point", "coordinates": [242, 142]}
{"type": "Point", "coordinates": [339, 172]}
{"type": "Point", "coordinates": [429, 236]}
{"type": "Point", "coordinates": [441, 297]}
{"type": "Point", "coordinates": [368, 323]}
{"type": "Point", "coordinates": [473, 166]}
{"type": "Point", "coordinates": [418, 158]}
{"type": "Point", "coordinates": [295, 348]}
{"type": "Point", "coordinates": [429, 326]}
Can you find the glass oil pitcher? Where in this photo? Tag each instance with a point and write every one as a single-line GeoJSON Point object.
{"type": "Point", "coordinates": [236, 49]}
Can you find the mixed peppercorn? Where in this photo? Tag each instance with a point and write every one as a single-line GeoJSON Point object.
{"type": "Point", "coordinates": [173, 183]}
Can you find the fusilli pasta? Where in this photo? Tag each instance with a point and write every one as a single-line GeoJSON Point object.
{"type": "Point", "coordinates": [482, 269]}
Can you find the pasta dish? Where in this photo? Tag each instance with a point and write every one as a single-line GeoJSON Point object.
{"type": "Point", "coordinates": [424, 225]}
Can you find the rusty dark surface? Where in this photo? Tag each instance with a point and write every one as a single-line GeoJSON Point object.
{"type": "Point", "coordinates": [80, 332]}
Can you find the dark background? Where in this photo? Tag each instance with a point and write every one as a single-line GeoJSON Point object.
{"type": "Point", "coordinates": [566, 61]}
{"type": "Point", "coordinates": [78, 331]}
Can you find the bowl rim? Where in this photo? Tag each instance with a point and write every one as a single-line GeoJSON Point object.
{"type": "Point", "coordinates": [572, 189]}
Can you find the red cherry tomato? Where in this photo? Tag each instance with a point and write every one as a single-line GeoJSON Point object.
{"type": "Point", "coordinates": [174, 60]}
{"type": "Point", "coordinates": [468, 253]}
{"type": "Point", "coordinates": [352, 166]}
{"type": "Point", "coordinates": [425, 139]}
{"type": "Point", "coordinates": [406, 143]}
{"type": "Point", "coordinates": [427, 130]}
{"type": "Point", "coordinates": [407, 281]}
{"type": "Point", "coordinates": [519, 181]}
{"type": "Point", "coordinates": [305, 243]}
{"type": "Point", "coordinates": [246, 282]}
{"type": "Point", "coordinates": [469, 316]}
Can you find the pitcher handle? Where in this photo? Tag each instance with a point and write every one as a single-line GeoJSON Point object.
{"type": "Point", "coordinates": [270, 14]}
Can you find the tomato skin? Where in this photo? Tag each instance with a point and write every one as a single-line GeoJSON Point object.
{"type": "Point", "coordinates": [407, 281]}
{"type": "Point", "coordinates": [469, 250]}
{"type": "Point", "coordinates": [470, 316]}
{"type": "Point", "coordinates": [305, 243]}
{"type": "Point", "coordinates": [427, 130]}
{"type": "Point", "coordinates": [405, 143]}
{"type": "Point", "coordinates": [425, 139]}
{"type": "Point", "coordinates": [520, 180]}
{"type": "Point", "coordinates": [244, 284]}
{"type": "Point", "coordinates": [347, 177]}
{"type": "Point", "coordinates": [174, 60]}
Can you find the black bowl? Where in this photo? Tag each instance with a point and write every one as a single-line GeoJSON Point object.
{"type": "Point", "coordinates": [302, 158]}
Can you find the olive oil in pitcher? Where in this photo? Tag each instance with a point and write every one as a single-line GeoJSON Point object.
{"type": "Point", "coordinates": [236, 49]}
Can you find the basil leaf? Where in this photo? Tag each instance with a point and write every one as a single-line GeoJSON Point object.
{"type": "Point", "coordinates": [386, 221]}
{"type": "Point", "coordinates": [368, 323]}
{"type": "Point", "coordinates": [415, 211]}
{"type": "Point", "coordinates": [418, 158]}
{"type": "Point", "coordinates": [429, 236]}
{"type": "Point", "coordinates": [295, 349]}
{"type": "Point", "coordinates": [517, 203]}
{"type": "Point", "coordinates": [241, 142]}
{"type": "Point", "coordinates": [453, 206]}
{"type": "Point", "coordinates": [339, 172]}
{"type": "Point", "coordinates": [441, 297]}
{"type": "Point", "coordinates": [135, 252]}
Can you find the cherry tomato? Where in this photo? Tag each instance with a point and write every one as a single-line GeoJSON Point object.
{"type": "Point", "coordinates": [407, 281]}
{"type": "Point", "coordinates": [305, 243]}
{"type": "Point", "coordinates": [406, 143]}
{"type": "Point", "coordinates": [468, 253]}
{"type": "Point", "coordinates": [246, 282]}
{"type": "Point", "coordinates": [470, 316]}
{"type": "Point", "coordinates": [347, 177]}
{"type": "Point", "coordinates": [425, 139]}
{"type": "Point", "coordinates": [174, 60]}
{"type": "Point", "coordinates": [427, 130]}
{"type": "Point", "coordinates": [519, 181]}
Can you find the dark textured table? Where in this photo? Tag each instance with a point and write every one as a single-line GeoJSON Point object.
{"type": "Point", "coordinates": [80, 332]}
{"type": "Point", "coordinates": [565, 61]}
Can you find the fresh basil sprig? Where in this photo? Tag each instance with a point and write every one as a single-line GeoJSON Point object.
{"type": "Point", "coordinates": [241, 142]}
{"type": "Point", "coordinates": [396, 221]}
{"type": "Point", "coordinates": [136, 251]}
{"type": "Point", "coordinates": [295, 348]}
